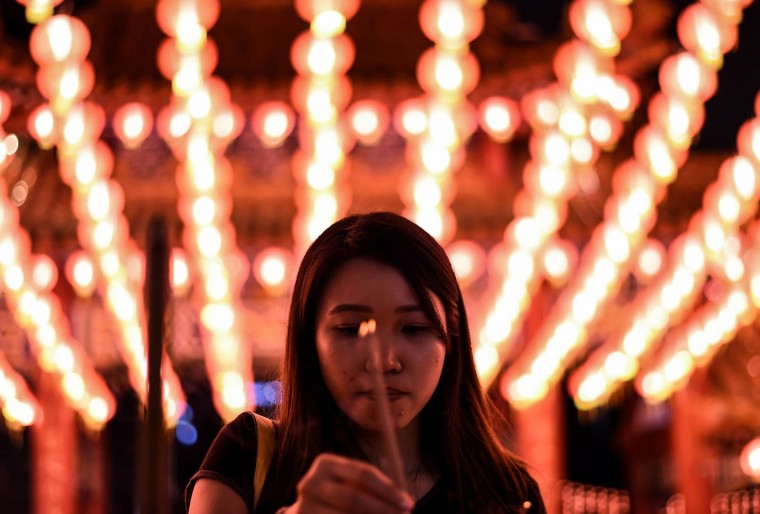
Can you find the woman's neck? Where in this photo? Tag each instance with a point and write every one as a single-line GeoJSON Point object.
{"type": "Point", "coordinates": [419, 477]}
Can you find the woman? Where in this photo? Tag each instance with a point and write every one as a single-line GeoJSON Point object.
{"type": "Point", "coordinates": [329, 454]}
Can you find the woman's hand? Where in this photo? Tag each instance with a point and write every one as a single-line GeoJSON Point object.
{"type": "Point", "coordinates": [336, 484]}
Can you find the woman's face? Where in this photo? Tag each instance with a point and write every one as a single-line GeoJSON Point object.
{"type": "Point", "coordinates": [412, 351]}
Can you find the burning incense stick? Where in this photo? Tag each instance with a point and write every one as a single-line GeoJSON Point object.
{"type": "Point", "coordinates": [367, 331]}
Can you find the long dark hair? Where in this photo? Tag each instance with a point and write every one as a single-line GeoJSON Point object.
{"type": "Point", "coordinates": [456, 423]}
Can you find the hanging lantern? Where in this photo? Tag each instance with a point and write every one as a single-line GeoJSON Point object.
{"type": "Point", "coordinates": [686, 76]}
{"type": "Point", "coordinates": [308, 9]}
{"type": "Point", "coordinates": [705, 34]}
{"type": "Point", "coordinates": [42, 126]}
{"type": "Point", "coordinates": [273, 122]}
{"type": "Point", "coordinates": [443, 73]}
{"type": "Point", "coordinates": [133, 123]}
{"type": "Point", "coordinates": [44, 273]}
{"type": "Point", "coordinates": [187, 20]}
{"type": "Point", "coordinates": [369, 120]}
{"type": "Point", "coordinates": [499, 118]}
{"type": "Point", "coordinates": [468, 260]}
{"type": "Point", "coordinates": [5, 107]}
{"type": "Point", "coordinates": [65, 84]}
{"type": "Point", "coordinates": [410, 117]}
{"type": "Point", "coordinates": [180, 271]}
{"type": "Point", "coordinates": [272, 267]}
{"type": "Point", "coordinates": [171, 60]}
{"type": "Point", "coordinates": [80, 273]}
{"type": "Point", "coordinates": [59, 39]}
{"type": "Point", "coordinates": [451, 23]}
{"type": "Point", "coordinates": [323, 57]}
{"type": "Point", "coordinates": [600, 23]}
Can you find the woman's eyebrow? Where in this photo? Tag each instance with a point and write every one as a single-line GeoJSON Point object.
{"type": "Point", "coordinates": [349, 307]}
{"type": "Point", "coordinates": [354, 307]}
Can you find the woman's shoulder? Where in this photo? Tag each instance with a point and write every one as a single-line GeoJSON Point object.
{"type": "Point", "coordinates": [231, 458]}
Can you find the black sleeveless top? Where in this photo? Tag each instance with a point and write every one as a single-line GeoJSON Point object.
{"type": "Point", "coordinates": [231, 459]}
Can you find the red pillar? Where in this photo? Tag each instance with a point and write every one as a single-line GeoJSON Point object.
{"type": "Point", "coordinates": [690, 451]}
{"type": "Point", "coordinates": [541, 443]}
{"type": "Point", "coordinates": [54, 453]}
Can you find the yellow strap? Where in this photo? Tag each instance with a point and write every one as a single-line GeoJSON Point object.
{"type": "Point", "coordinates": [264, 452]}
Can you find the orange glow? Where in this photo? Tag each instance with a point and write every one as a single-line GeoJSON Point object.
{"type": "Point", "coordinates": [410, 118]}
{"type": "Point", "coordinates": [499, 117]}
{"type": "Point", "coordinates": [308, 9]}
{"type": "Point", "coordinates": [706, 34]}
{"type": "Point", "coordinates": [133, 123]}
{"type": "Point", "coordinates": [750, 459]}
{"type": "Point", "coordinates": [178, 18]}
{"type": "Point", "coordinates": [80, 273]}
{"type": "Point", "coordinates": [171, 60]}
{"type": "Point", "coordinates": [468, 260]}
{"type": "Point", "coordinates": [272, 268]}
{"type": "Point", "coordinates": [59, 39]}
{"type": "Point", "coordinates": [441, 73]}
{"type": "Point", "coordinates": [451, 23]}
{"type": "Point", "coordinates": [600, 23]}
{"type": "Point", "coordinates": [312, 55]}
{"type": "Point", "coordinates": [650, 260]}
{"type": "Point", "coordinates": [683, 75]}
{"type": "Point", "coordinates": [42, 126]}
{"type": "Point", "coordinates": [66, 83]}
{"type": "Point", "coordinates": [678, 119]}
{"type": "Point", "coordinates": [369, 120]}
{"type": "Point", "coordinates": [44, 272]}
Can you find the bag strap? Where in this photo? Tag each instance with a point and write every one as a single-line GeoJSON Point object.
{"type": "Point", "coordinates": [265, 436]}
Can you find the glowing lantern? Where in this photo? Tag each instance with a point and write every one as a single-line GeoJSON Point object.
{"type": "Point", "coordinates": [748, 140]}
{"type": "Point", "coordinates": [42, 126]}
{"type": "Point", "coordinates": [308, 9]}
{"type": "Point", "coordinates": [44, 272]}
{"type": "Point", "coordinates": [410, 117]}
{"type": "Point", "coordinates": [559, 260]}
{"type": "Point", "coordinates": [650, 260]}
{"type": "Point", "coordinates": [80, 273]}
{"type": "Point", "coordinates": [5, 107]}
{"type": "Point", "coordinates": [450, 22]}
{"type": "Point", "coordinates": [600, 23]}
{"type": "Point", "coordinates": [227, 124]}
{"type": "Point", "coordinates": [273, 122]}
{"type": "Point", "coordinates": [59, 39]}
{"type": "Point", "coordinates": [67, 83]}
{"type": "Point", "coordinates": [313, 98]}
{"type": "Point", "coordinates": [499, 117]}
{"type": "Point", "coordinates": [271, 268]}
{"type": "Point", "coordinates": [686, 76]}
{"type": "Point", "coordinates": [82, 125]}
{"type": "Point", "coordinates": [312, 55]}
{"type": "Point", "coordinates": [750, 459]}
{"type": "Point", "coordinates": [706, 34]}
{"type": "Point", "coordinates": [183, 19]}
{"type": "Point", "coordinates": [180, 271]}
{"type": "Point", "coordinates": [133, 123]}
{"type": "Point", "coordinates": [369, 120]}
{"type": "Point", "coordinates": [171, 60]}
{"type": "Point", "coordinates": [676, 118]}
{"type": "Point", "coordinates": [468, 260]}
{"type": "Point", "coordinates": [579, 67]}
{"type": "Point", "coordinates": [442, 73]}
{"type": "Point", "coordinates": [91, 163]}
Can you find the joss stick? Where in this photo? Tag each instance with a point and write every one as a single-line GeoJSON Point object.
{"type": "Point", "coordinates": [367, 331]}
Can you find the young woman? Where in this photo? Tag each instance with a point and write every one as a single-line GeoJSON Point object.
{"type": "Point", "coordinates": [329, 455]}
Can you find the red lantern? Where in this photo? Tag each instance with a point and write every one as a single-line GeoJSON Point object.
{"type": "Point", "coordinates": [42, 126]}
{"type": "Point", "coordinates": [133, 123]}
{"type": "Point", "coordinates": [273, 122]}
{"type": "Point", "coordinates": [170, 59]}
{"type": "Point", "coordinates": [447, 74]}
{"type": "Point", "coordinates": [312, 55]}
{"type": "Point", "coordinates": [308, 9]}
{"type": "Point", "coordinates": [705, 34]}
{"type": "Point", "coordinates": [59, 39]}
{"type": "Point", "coordinates": [601, 23]}
{"type": "Point", "coordinates": [369, 120]}
{"type": "Point", "coordinates": [174, 15]}
{"type": "Point", "coordinates": [686, 76]}
{"type": "Point", "coordinates": [66, 83]}
{"type": "Point", "coordinates": [5, 107]}
{"type": "Point", "coordinates": [451, 22]}
{"type": "Point", "coordinates": [499, 117]}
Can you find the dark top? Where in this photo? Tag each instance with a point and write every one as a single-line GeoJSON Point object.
{"type": "Point", "coordinates": [231, 459]}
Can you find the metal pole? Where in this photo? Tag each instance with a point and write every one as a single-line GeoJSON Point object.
{"type": "Point", "coordinates": [155, 459]}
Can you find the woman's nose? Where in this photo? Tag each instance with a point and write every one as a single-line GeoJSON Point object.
{"type": "Point", "coordinates": [383, 355]}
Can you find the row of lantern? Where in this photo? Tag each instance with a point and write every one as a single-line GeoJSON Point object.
{"type": "Point", "coordinates": [570, 120]}
{"type": "Point", "coordinates": [447, 72]}
{"type": "Point", "coordinates": [274, 121]}
{"type": "Point", "coordinates": [710, 245]}
{"type": "Point", "coordinates": [27, 282]}
{"type": "Point", "coordinates": [60, 45]}
{"type": "Point", "coordinates": [320, 93]}
{"type": "Point", "coordinates": [660, 148]}
{"type": "Point", "coordinates": [201, 121]}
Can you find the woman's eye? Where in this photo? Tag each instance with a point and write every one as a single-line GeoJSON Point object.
{"type": "Point", "coordinates": [416, 329]}
{"type": "Point", "coordinates": [348, 329]}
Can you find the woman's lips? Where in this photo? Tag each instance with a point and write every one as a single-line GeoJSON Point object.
{"type": "Point", "coordinates": [392, 394]}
